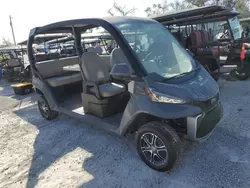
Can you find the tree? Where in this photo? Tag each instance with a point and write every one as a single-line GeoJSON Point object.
{"type": "Point", "coordinates": [242, 6]}
{"type": "Point", "coordinates": [157, 9]}
{"type": "Point", "coordinates": [180, 5]}
{"type": "Point", "coordinates": [199, 3]}
{"type": "Point", "coordinates": [5, 43]}
{"type": "Point", "coordinates": [161, 8]}
{"type": "Point", "coordinates": [122, 10]}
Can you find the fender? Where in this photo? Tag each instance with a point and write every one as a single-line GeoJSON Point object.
{"type": "Point", "coordinates": [141, 104]}
{"type": "Point", "coordinates": [44, 91]}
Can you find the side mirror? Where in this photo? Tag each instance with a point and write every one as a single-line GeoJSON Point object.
{"type": "Point", "coordinates": [121, 71]}
{"type": "Point", "coordinates": [190, 53]}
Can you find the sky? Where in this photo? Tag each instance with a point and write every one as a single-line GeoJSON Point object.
{"type": "Point", "coordinates": [28, 14]}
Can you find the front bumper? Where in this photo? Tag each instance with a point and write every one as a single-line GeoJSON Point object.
{"type": "Point", "coordinates": [200, 127]}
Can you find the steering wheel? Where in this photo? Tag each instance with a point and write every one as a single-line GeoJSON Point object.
{"type": "Point", "coordinates": [224, 35]}
{"type": "Point", "coordinates": [158, 61]}
{"type": "Point", "coordinates": [147, 56]}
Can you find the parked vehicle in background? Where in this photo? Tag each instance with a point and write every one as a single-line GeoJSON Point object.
{"type": "Point", "coordinates": [210, 33]}
{"type": "Point", "coordinates": [13, 62]}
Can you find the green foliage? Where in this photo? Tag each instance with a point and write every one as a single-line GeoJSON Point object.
{"type": "Point", "coordinates": [121, 10]}
{"type": "Point", "coordinates": [163, 7]}
{"type": "Point", "coordinates": [180, 5]}
{"type": "Point", "coordinates": [157, 9]}
{"type": "Point", "coordinates": [5, 43]}
{"type": "Point", "coordinates": [241, 6]}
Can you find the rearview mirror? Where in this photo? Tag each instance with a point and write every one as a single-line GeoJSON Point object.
{"type": "Point", "coordinates": [121, 71]}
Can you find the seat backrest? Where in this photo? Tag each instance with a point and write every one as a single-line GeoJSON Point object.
{"type": "Point", "coordinates": [117, 56]}
{"type": "Point", "coordinates": [106, 60]}
{"type": "Point", "coordinates": [205, 35]}
{"type": "Point", "coordinates": [41, 57]}
{"type": "Point", "coordinates": [94, 68]}
{"type": "Point", "coordinates": [196, 38]}
{"type": "Point", "coordinates": [54, 67]}
{"type": "Point", "coordinates": [90, 49]}
{"type": "Point", "coordinates": [98, 50]}
{"type": "Point", "coordinates": [13, 63]}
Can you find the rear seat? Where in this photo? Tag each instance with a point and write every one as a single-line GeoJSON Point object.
{"type": "Point", "coordinates": [52, 71]}
{"type": "Point", "coordinates": [13, 63]}
{"type": "Point", "coordinates": [196, 39]}
{"type": "Point", "coordinates": [64, 80]}
{"type": "Point", "coordinates": [205, 35]}
{"type": "Point", "coordinates": [41, 57]}
{"type": "Point", "coordinates": [212, 49]}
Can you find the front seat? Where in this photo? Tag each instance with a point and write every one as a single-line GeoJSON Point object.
{"type": "Point", "coordinates": [96, 73]}
{"type": "Point", "coordinates": [117, 56]}
{"type": "Point", "coordinates": [98, 50]}
{"type": "Point", "coordinates": [90, 49]}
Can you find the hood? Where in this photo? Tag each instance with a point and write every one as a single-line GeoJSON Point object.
{"type": "Point", "coordinates": [199, 86]}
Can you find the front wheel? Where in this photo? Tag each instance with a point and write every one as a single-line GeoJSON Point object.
{"type": "Point", "coordinates": [158, 145]}
{"type": "Point", "coordinates": [45, 110]}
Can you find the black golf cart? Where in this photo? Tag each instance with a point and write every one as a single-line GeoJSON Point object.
{"type": "Point", "coordinates": [202, 31]}
{"type": "Point", "coordinates": [12, 61]}
{"type": "Point", "coordinates": [160, 93]}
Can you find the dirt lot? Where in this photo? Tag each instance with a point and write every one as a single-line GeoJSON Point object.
{"type": "Point", "coordinates": [66, 153]}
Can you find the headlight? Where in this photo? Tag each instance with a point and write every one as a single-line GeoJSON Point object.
{"type": "Point", "coordinates": [161, 97]}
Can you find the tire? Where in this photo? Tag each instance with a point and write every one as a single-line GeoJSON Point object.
{"type": "Point", "coordinates": [45, 110]}
{"type": "Point", "coordinates": [239, 74]}
{"type": "Point", "coordinates": [167, 144]}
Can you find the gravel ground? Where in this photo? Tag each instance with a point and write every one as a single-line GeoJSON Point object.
{"type": "Point", "coordinates": [66, 153]}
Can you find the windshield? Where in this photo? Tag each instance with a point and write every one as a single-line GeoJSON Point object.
{"type": "Point", "coordinates": [158, 51]}
{"type": "Point", "coordinates": [235, 27]}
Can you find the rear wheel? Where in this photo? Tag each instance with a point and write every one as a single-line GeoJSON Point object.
{"type": "Point", "coordinates": [45, 110]}
{"type": "Point", "coordinates": [158, 145]}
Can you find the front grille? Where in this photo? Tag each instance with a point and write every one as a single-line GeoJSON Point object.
{"type": "Point", "coordinates": [209, 121]}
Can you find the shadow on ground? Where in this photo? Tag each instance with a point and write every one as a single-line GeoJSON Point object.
{"type": "Point", "coordinates": [9, 99]}
{"type": "Point", "coordinates": [221, 161]}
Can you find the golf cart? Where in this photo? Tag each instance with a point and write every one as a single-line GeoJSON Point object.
{"type": "Point", "coordinates": [12, 61]}
{"type": "Point", "coordinates": [160, 93]}
{"type": "Point", "coordinates": [201, 30]}
{"type": "Point", "coordinates": [41, 50]}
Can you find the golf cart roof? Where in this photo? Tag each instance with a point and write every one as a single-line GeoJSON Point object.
{"type": "Point", "coordinates": [45, 37]}
{"type": "Point", "coordinates": [196, 15]}
{"type": "Point", "coordinates": [242, 20]}
{"type": "Point", "coordinates": [84, 24]}
{"type": "Point", "coordinates": [173, 15]}
{"type": "Point", "coordinates": [15, 48]}
{"type": "Point", "coordinates": [85, 37]}
{"type": "Point", "coordinates": [61, 40]}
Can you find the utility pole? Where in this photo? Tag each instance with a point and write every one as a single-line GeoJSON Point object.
{"type": "Point", "coordinates": [11, 25]}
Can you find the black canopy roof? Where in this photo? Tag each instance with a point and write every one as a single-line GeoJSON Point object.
{"type": "Point", "coordinates": [84, 36]}
{"type": "Point", "coordinates": [45, 37]}
{"type": "Point", "coordinates": [15, 48]}
{"type": "Point", "coordinates": [196, 15]}
{"type": "Point", "coordinates": [84, 24]}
